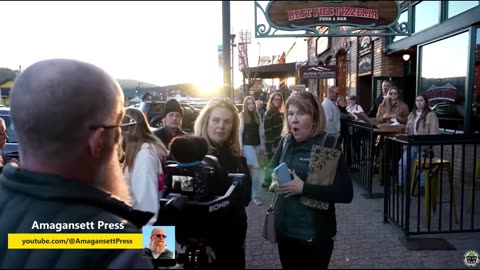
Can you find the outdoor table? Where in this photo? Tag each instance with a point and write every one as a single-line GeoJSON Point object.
{"type": "Point", "coordinates": [364, 172]}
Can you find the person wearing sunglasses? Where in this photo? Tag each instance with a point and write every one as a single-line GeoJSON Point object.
{"type": "Point", "coordinates": [145, 155]}
{"type": "Point", "coordinates": [393, 109]}
{"type": "Point", "coordinates": [157, 248]}
{"type": "Point", "coordinates": [332, 112]}
{"type": "Point", "coordinates": [305, 235]}
{"type": "Point", "coordinates": [70, 172]}
{"type": "Point", "coordinates": [218, 123]}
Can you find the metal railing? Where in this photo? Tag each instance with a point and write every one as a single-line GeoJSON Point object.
{"type": "Point", "coordinates": [359, 149]}
{"type": "Point", "coordinates": [432, 183]}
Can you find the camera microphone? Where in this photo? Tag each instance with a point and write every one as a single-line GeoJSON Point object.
{"type": "Point", "coordinates": [188, 150]}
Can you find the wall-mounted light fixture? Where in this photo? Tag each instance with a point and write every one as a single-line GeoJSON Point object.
{"type": "Point", "coordinates": [406, 57]}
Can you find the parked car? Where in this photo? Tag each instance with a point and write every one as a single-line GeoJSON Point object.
{"type": "Point", "coordinates": [134, 105]}
{"type": "Point", "coordinates": [10, 150]}
{"type": "Point", "coordinates": [153, 110]}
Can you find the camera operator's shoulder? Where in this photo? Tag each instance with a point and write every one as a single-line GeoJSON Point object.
{"type": "Point", "coordinates": [127, 220]}
{"type": "Point", "coordinates": [131, 259]}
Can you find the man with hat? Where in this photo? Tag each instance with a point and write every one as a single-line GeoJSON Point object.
{"type": "Point", "coordinates": [172, 122]}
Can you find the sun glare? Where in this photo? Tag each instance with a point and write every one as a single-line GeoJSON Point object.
{"type": "Point", "coordinates": [209, 85]}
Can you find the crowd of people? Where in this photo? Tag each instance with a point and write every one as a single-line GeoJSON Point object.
{"type": "Point", "coordinates": [95, 160]}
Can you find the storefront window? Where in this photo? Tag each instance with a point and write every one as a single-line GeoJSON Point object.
{"type": "Point", "coordinates": [457, 7]}
{"type": "Point", "coordinates": [427, 13]}
{"type": "Point", "coordinates": [444, 66]}
{"type": "Point", "coordinates": [475, 123]}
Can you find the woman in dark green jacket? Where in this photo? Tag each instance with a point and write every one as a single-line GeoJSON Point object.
{"type": "Point", "coordinates": [305, 234]}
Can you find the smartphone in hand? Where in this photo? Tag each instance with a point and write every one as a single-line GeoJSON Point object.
{"type": "Point", "coordinates": [282, 173]}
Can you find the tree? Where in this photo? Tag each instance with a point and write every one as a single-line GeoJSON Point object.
{"type": "Point", "coordinates": [6, 73]}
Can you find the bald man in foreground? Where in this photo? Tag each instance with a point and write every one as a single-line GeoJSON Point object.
{"type": "Point", "coordinates": [66, 115]}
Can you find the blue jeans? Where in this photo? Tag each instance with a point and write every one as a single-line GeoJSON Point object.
{"type": "Point", "coordinates": [251, 153]}
{"type": "Point", "coordinates": [402, 166]}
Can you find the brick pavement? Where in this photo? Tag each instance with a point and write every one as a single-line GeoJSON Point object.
{"type": "Point", "coordinates": [362, 241]}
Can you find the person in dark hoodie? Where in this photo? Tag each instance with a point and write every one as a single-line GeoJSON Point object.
{"type": "Point", "coordinates": [172, 122]}
{"type": "Point", "coordinates": [70, 174]}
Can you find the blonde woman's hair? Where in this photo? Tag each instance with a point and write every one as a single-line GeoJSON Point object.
{"type": "Point", "coordinates": [388, 100]}
{"type": "Point", "coordinates": [134, 136]}
{"type": "Point", "coordinates": [308, 103]}
{"type": "Point", "coordinates": [245, 112]}
{"type": "Point", "coordinates": [270, 102]}
{"type": "Point", "coordinates": [201, 125]}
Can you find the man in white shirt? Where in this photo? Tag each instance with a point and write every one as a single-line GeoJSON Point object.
{"type": "Point", "coordinates": [353, 107]}
{"type": "Point", "coordinates": [332, 113]}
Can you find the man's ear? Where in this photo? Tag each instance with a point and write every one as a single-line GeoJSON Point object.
{"type": "Point", "coordinates": [95, 143]}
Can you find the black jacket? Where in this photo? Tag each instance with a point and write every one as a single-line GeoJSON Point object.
{"type": "Point", "coordinates": [226, 233]}
{"type": "Point", "coordinates": [167, 254]}
{"type": "Point", "coordinates": [293, 218]}
{"type": "Point", "coordinates": [165, 136]}
{"type": "Point", "coordinates": [373, 111]}
{"type": "Point", "coordinates": [230, 244]}
{"type": "Point", "coordinates": [26, 197]}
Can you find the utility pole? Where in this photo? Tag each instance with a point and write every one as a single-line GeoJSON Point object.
{"type": "Point", "coordinates": [232, 37]}
{"type": "Point", "coordinates": [227, 83]}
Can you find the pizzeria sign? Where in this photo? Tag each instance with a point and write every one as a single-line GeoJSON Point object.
{"type": "Point", "coordinates": [342, 18]}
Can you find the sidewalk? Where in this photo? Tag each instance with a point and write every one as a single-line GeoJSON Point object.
{"type": "Point", "coordinates": [362, 241]}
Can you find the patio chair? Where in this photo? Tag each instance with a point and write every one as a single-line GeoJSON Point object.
{"type": "Point", "coordinates": [432, 168]}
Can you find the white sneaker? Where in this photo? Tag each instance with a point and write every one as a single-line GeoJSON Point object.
{"type": "Point", "coordinates": [257, 202]}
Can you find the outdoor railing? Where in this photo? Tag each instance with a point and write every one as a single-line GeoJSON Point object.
{"type": "Point", "coordinates": [363, 153]}
{"type": "Point", "coordinates": [432, 183]}
{"type": "Point", "coordinates": [359, 149]}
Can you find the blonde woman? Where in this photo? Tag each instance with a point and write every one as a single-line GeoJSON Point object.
{"type": "Point", "coordinates": [393, 109]}
{"type": "Point", "coordinates": [144, 156]}
{"type": "Point", "coordinates": [252, 143]}
{"type": "Point", "coordinates": [219, 123]}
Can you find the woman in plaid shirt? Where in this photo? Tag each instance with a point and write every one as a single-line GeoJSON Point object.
{"type": "Point", "coordinates": [273, 124]}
